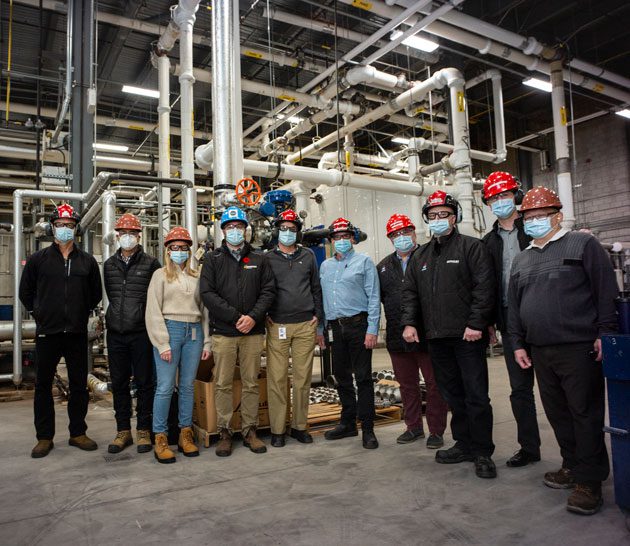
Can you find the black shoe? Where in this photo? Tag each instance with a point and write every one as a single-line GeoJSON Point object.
{"type": "Point", "coordinates": [522, 458]}
{"type": "Point", "coordinates": [484, 467]}
{"type": "Point", "coordinates": [277, 440]}
{"type": "Point", "coordinates": [453, 455]}
{"type": "Point", "coordinates": [301, 436]}
{"type": "Point", "coordinates": [435, 441]}
{"type": "Point", "coordinates": [410, 436]}
{"type": "Point", "coordinates": [369, 439]}
{"type": "Point", "coordinates": [341, 431]}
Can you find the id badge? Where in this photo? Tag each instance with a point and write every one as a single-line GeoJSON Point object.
{"type": "Point", "coordinates": [330, 335]}
{"type": "Point", "coordinates": [193, 334]}
{"type": "Point", "coordinates": [282, 332]}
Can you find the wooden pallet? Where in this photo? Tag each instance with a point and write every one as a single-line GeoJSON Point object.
{"type": "Point", "coordinates": [323, 417]}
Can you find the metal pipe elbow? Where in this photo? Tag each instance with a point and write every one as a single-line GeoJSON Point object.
{"type": "Point", "coordinates": [204, 156]}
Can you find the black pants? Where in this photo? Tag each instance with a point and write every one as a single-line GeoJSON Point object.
{"type": "Point", "coordinates": [350, 355]}
{"type": "Point", "coordinates": [522, 400]}
{"type": "Point", "coordinates": [131, 355]}
{"type": "Point", "coordinates": [461, 373]}
{"type": "Point", "coordinates": [48, 351]}
{"type": "Point", "coordinates": [572, 392]}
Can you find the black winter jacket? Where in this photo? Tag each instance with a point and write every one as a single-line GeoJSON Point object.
{"type": "Point", "coordinates": [450, 287]}
{"type": "Point", "coordinates": [60, 293]}
{"type": "Point", "coordinates": [126, 285]}
{"type": "Point", "coordinates": [392, 281]}
{"type": "Point", "coordinates": [298, 291]}
{"type": "Point", "coordinates": [231, 288]}
{"type": "Point", "coordinates": [494, 243]}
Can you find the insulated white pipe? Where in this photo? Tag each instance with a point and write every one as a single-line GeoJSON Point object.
{"type": "Point", "coordinates": [499, 117]}
{"type": "Point", "coordinates": [164, 143]}
{"type": "Point", "coordinates": [108, 236]}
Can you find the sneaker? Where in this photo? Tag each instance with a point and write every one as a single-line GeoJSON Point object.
{"type": "Point", "coordinates": [522, 458]}
{"type": "Point", "coordinates": [83, 442]}
{"type": "Point", "coordinates": [453, 455]}
{"type": "Point", "coordinates": [485, 467]}
{"type": "Point", "coordinates": [435, 441]}
{"type": "Point", "coordinates": [42, 449]}
{"type": "Point", "coordinates": [410, 436]}
{"type": "Point", "coordinates": [341, 431]}
{"type": "Point", "coordinates": [122, 440]}
{"type": "Point", "coordinates": [585, 499]}
{"type": "Point", "coordinates": [562, 479]}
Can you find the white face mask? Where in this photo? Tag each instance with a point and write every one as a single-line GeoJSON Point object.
{"type": "Point", "coordinates": [128, 241]}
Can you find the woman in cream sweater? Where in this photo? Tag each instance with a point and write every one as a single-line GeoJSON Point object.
{"type": "Point", "coordinates": [177, 324]}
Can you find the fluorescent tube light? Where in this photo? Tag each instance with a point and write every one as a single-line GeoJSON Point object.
{"type": "Point", "coordinates": [538, 84]}
{"type": "Point", "coordinates": [102, 146]}
{"type": "Point", "coordinates": [153, 93]}
{"type": "Point", "coordinates": [625, 113]}
{"type": "Point", "coordinates": [416, 42]}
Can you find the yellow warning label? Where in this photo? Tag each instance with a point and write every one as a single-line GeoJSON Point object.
{"type": "Point", "coordinates": [288, 98]}
{"type": "Point", "coordinates": [362, 4]}
{"type": "Point", "coordinates": [427, 127]}
{"type": "Point", "coordinates": [348, 158]}
{"type": "Point", "coordinates": [135, 127]}
{"type": "Point", "coordinates": [461, 102]}
{"type": "Point", "coordinates": [599, 88]}
{"type": "Point", "coordinates": [563, 115]}
{"type": "Point", "coordinates": [253, 54]}
{"type": "Point", "coordinates": [419, 110]}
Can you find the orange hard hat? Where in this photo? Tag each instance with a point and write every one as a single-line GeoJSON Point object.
{"type": "Point", "coordinates": [128, 221]}
{"type": "Point", "coordinates": [541, 198]}
{"type": "Point", "coordinates": [178, 233]}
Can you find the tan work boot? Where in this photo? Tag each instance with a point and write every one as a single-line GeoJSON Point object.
{"type": "Point", "coordinates": [186, 443]}
{"type": "Point", "coordinates": [224, 447]}
{"type": "Point", "coordinates": [143, 441]}
{"type": "Point", "coordinates": [254, 443]}
{"type": "Point", "coordinates": [83, 442]}
{"type": "Point", "coordinates": [42, 449]}
{"type": "Point", "coordinates": [123, 439]}
{"type": "Point", "coordinates": [162, 452]}
{"type": "Point", "coordinates": [586, 499]}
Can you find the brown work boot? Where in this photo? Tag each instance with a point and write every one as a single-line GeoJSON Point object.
{"type": "Point", "coordinates": [254, 443]}
{"type": "Point", "coordinates": [143, 441]}
{"type": "Point", "coordinates": [162, 452]}
{"type": "Point", "coordinates": [42, 449]}
{"type": "Point", "coordinates": [123, 439]}
{"type": "Point", "coordinates": [83, 442]}
{"type": "Point", "coordinates": [562, 479]}
{"type": "Point", "coordinates": [224, 447]}
{"type": "Point", "coordinates": [585, 499]}
{"type": "Point", "coordinates": [186, 443]}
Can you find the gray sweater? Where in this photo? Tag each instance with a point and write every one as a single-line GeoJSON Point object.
{"type": "Point", "coordinates": [562, 293]}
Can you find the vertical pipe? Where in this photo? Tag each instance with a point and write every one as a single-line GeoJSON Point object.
{"type": "Point", "coordinates": [499, 116]}
{"type": "Point", "coordinates": [561, 141]}
{"type": "Point", "coordinates": [109, 221]}
{"type": "Point", "coordinates": [164, 115]}
{"type": "Point", "coordinates": [18, 241]}
{"type": "Point", "coordinates": [348, 145]}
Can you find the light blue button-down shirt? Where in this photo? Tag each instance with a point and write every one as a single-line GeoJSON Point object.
{"type": "Point", "coordinates": [350, 286]}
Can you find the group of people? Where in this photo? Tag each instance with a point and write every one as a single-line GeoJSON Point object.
{"type": "Point", "coordinates": [549, 292]}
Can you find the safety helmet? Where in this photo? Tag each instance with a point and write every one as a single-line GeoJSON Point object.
{"type": "Point", "coordinates": [498, 182]}
{"type": "Point", "coordinates": [288, 215]}
{"type": "Point", "coordinates": [178, 233]}
{"type": "Point", "coordinates": [64, 211]}
{"type": "Point", "coordinates": [233, 214]}
{"type": "Point", "coordinates": [441, 198]}
{"type": "Point", "coordinates": [341, 225]}
{"type": "Point", "coordinates": [541, 198]}
{"type": "Point", "coordinates": [128, 221]}
{"type": "Point", "coordinates": [398, 222]}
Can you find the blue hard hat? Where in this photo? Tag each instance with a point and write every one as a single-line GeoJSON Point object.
{"type": "Point", "coordinates": [233, 214]}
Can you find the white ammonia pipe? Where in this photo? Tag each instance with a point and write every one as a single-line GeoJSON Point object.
{"type": "Point", "coordinates": [164, 123]}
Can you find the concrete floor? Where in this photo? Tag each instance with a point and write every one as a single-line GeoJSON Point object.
{"type": "Point", "coordinates": [322, 494]}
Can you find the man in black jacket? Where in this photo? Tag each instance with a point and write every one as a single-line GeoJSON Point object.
{"type": "Point", "coordinates": [501, 192]}
{"type": "Point", "coordinates": [450, 291]}
{"type": "Point", "coordinates": [60, 286]}
{"type": "Point", "coordinates": [127, 275]}
{"type": "Point", "coordinates": [237, 286]}
{"type": "Point", "coordinates": [292, 328]}
{"type": "Point", "coordinates": [408, 358]}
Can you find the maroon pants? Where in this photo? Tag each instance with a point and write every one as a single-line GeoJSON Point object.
{"type": "Point", "coordinates": [406, 367]}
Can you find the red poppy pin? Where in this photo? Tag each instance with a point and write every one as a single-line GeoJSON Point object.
{"type": "Point", "coordinates": [245, 260]}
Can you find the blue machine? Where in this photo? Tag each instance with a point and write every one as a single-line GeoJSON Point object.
{"type": "Point", "coordinates": [275, 201]}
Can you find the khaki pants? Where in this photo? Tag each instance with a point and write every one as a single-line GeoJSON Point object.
{"type": "Point", "coordinates": [301, 343]}
{"type": "Point", "coordinates": [226, 350]}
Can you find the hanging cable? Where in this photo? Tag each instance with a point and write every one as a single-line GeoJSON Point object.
{"type": "Point", "coordinates": [272, 74]}
{"type": "Point", "coordinates": [9, 53]}
{"type": "Point", "coordinates": [573, 154]}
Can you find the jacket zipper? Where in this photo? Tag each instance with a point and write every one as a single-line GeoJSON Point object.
{"type": "Point", "coordinates": [122, 299]}
{"type": "Point", "coordinates": [67, 265]}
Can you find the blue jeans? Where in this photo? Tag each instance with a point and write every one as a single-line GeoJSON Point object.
{"type": "Point", "coordinates": [186, 341]}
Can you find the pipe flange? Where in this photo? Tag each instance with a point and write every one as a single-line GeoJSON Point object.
{"type": "Point", "coordinates": [486, 48]}
{"type": "Point", "coordinates": [532, 46]}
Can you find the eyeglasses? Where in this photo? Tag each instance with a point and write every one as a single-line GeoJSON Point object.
{"type": "Point", "coordinates": [539, 216]}
{"type": "Point", "coordinates": [127, 232]}
{"type": "Point", "coordinates": [179, 247]}
{"type": "Point", "coordinates": [405, 231]}
{"type": "Point", "coordinates": [338, 236]}
{"type": "Point", "coordinates": [64, 224]}
{"type": "Point", "coordinates": [442, 214]}
{"type": "Point", "coordinates": [500, 196]}
{"type": "Point", "coordinates": [288, 228]}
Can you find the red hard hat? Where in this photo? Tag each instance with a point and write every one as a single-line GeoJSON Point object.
{"type": "Point", "coordinates": [128, 221]}
{"type": "Point", "coordinates": [398, 222]}
{"type": "Point", "coordinates": [341, 225]}
{"type": "Point", "coordinates": [441, 198]}
{"type": "Point", "coordinates": [178, 233]}
{"type": "Point", "coordinates": [541, 198]}
{"type": "Point", "coordinates": [65, 211]}
{"type": "Point", "coordinates": [498, 182]}
{"type": "Point", "coordinates": [288, 215]}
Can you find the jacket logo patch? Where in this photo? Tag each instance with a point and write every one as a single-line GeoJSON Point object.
{"type": "Point", "coordinates": [452, 261]}
{"type": "Point", "coordinates": [424, 267]}
{"type": "Point", "coordinates": [250, 267]}
{"type": "Point", "coordinates": [383, 269]}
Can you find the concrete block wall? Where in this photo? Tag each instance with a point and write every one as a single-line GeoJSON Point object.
{"type": "Point", "coordinates": [602, 186]}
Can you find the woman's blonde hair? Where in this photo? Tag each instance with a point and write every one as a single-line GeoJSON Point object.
{"type": "Point", "coordinates": [172, 268]}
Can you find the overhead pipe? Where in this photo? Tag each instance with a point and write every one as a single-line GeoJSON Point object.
{"type": "Point", "coordinates": [65, 105]}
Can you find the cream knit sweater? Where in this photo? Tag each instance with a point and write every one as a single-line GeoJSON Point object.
{"type": "Point", "coordinates": [178, 300]}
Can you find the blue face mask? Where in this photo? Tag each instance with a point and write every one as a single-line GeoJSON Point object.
{"type": "Point", "coordinates": [64, 234]}
{"type": "Point", "coordinates": [439, 227]}
{"type": "Point", "coordinates": [503, 208]}
{"type": "Point", "coordinates": [342, 246]}
{"type": "Point", "coordinates": [404, 243]}
{"type": "Point", "coordinates": [287, 238]}
{"type": "Point", "coordinates": [538, 228]}
{"type": "Point", "coordinates": [179, 256]}
{"type": "Point", "coordinates": [234, 236]}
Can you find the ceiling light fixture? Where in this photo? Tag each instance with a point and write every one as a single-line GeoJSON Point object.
{"type": "Point", "coordinates": [415, 42]}
{"type": "Point", "coordinates": [153, 93]}
{"type": "Point", "coordinates": [103, 147]}
{"type": "Point", "coordinates": [625, 113]}
{"type": "Point", "coordinates": [538, 84]}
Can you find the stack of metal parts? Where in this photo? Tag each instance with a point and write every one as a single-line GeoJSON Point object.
{"type": "Point", "coordinates": [324, 394]}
